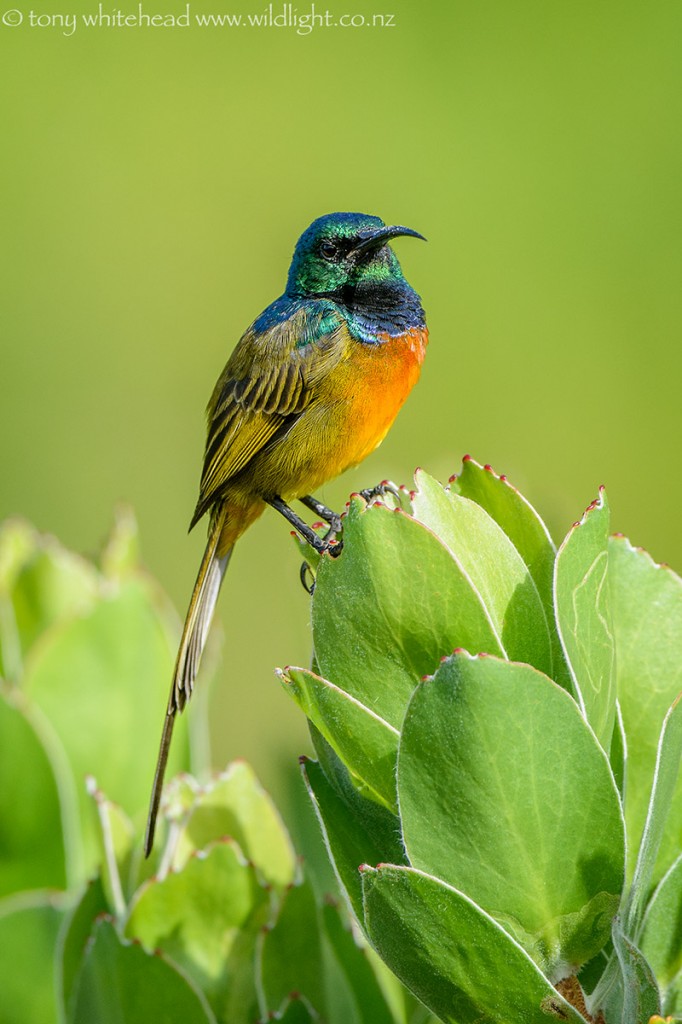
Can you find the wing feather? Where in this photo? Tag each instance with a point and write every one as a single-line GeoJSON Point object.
{"type": "Point", "coordinates": [265, 386]}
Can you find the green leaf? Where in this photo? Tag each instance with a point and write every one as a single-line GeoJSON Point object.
{"type": "Point", "coordinates": [206, 919]}
{"type": "Point", "coordinates": [389, 609]}
{"type": "Point", "coordinates": [583, 615]}
{"type": "Point", "coordinates": [117, 848]}
{"type": "Point", "coordinates": [102, 681]}
{"type": "Point", "coordinates": [73, 938]}
{"type": "Point", "coordinates": [290, 957]}
{"type": "Point", "coordinates": [18, 542]}
{"type": "Point", "coordinates": [54, 585]}
{"type": "Point", "coordinates": [630, 992]}
{"type": "Point", "coordinates": [362, 739]}
{"type": "Point", "coordinates": [452, 954]}
{"type": "Point", "coordinates": [661, 941]}
{"type": "Point", "coordinates": [662, 792]}
{"type": "Point", "coordinates": [503, 790]}
{"type": "Point", "coordinates": [295, 1010]}
{"type": "Point", "coordinates": [368, 999]}
{"type": "Point", "coordinates": [647, 616]}
{"type": "Point", "coordinates": [235, 804]}
{"type": "Point", "coordinates": [527, 532]}
{"type": "Point", "coordinates": [29, 925]}
{"type": "Point", "coordinates": [119, 982]}
{"type": "Point", "coordinates": [34, 807]}
{"type": "Point", "coordinates": [496, 571]}
{"type": "Point", "coordinates": [355, 830]}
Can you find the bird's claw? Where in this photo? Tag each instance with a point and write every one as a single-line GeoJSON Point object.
{"type": "Point", "coordinates": [329, 546]}
{"type": "Point", "coordinates": [380, 491]}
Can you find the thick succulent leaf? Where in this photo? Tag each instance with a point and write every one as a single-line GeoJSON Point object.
{"type": "Point", "coordinates": [583, 614]}
{"type": "Point", "coordinates": [452, 954]}
{"type": "Point", "coordinates": [101, 680]}
{"type": "Point", "coordinates": [295, 1010]}
{"type": "Point", "coordinates": [672, 1002]}
{"type": "Point", "coordinates": [36, 796]}
{"type": "Point", "coordinates": [666, 774]}
{"type": "Point", "coordinates": [74, 936]}
{"type": "Point", "coordinates": [53, 586]}
{"type": "Point", "coordinates": [500, 783]}
{"type": "Point", "coordinates": [355, 830]}
{"type": "Point", "coordinates": [118, 848]}
{"type": "Point", "coordinates": [661, 937]}
{"type": "Point", "coordinates": [385, 613]}
{"type": "Point", "coordinates": [235, 804]}
{"type": "Point", "coordinates": [527, 532]}
{"type": "Point", "coordinates": [120, 982]}
{"type": "Point", "coordinates": [290, 955]}
{"type": "Point", "coordinates": [364, 741]}
{"type": "Point", "coordinates": [29, 926]}
{"type": "Point", "coordinates": [486, 555]}
{"type": "Point", "coordinates": [369, 1002]}
{"type": "Point", "coordinates": [646, 600]}
{"type": "Point", "coordinates": [631, 995]}
{"type": "Point", "coordinates": [206, 918]}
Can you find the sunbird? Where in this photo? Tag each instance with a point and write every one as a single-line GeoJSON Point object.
{"type": "Point", "coordinates": [311, 389]}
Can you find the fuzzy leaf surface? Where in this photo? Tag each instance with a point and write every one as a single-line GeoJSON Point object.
{"type": "Point", "coordinates": [364, 741]}
{"type": "Point", "coordinates": [396, 601]}
{"type": "Point", "coordinates": [500, 783]}
{"type": "Point", "coordinates": [493, 565]}
{"type": "Point", "coordinates": [647, 616]}
{"type": "Point", "coordinates": [356, 830]}
{"type": "Point", "coordinates": [583, 614]}
{"type": "Point", "coordinates": [453, 955]}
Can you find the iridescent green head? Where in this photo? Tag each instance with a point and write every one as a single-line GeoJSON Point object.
{"type": "Point", "coordinates": [344, 250]}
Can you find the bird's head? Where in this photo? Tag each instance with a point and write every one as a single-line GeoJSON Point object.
{"type": "Point", "coordinates": [344, 250]}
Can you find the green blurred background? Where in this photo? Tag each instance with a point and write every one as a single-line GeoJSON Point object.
{"type": "Point", "coordinates": [154, 182]}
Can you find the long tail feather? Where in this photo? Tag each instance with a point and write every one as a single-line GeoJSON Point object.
{"type": "Point", "coordinates": [195, 631]}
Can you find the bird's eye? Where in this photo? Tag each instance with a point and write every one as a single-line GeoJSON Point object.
{"type": "Point", "coordinates": [328, 250]}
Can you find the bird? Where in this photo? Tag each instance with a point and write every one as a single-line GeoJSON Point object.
{"type": "Point", "coordinates": [312, 387]}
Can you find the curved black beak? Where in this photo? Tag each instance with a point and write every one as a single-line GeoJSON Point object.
{"type": "Point", "coordinates": [378, 237]}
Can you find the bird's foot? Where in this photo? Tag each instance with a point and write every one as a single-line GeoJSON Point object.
{"type": "Point", "coordinates": [328, 544]}
{"type": "Point", "coordinates": [370, 494]}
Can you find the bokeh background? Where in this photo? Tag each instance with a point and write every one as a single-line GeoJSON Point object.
{"type": "Point", "coordinates": [154, 181]}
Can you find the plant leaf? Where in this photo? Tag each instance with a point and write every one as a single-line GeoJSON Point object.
{"type": "Point", "coordinates": [368, 999]}
{"type": "Point", "coordinates": [500, 784]}
{"type": "Point", "coordinates": [33, 804]}
{"type": "Point", "coordinates": [87, 678]}
{"type": "Point", "coordinates": [290, 956]}
{"type": "Point", "coordinates": [73, 938]}
{"type": "Point", "coordinates": [453, 955]}
{"type": "Point", "coordinates": [355, 830]}
{"type": "Point", "coordinates": [631, 992]}
{"type": "Point", "coordinates": [366, 743]}
{"type": "Point", "coordinates": [235, 804]}
{"type": "Point", "coordinates": [583, 615]}
{"type": "Point", "coordinates": [29, 925]}
{"type": "Point", "coordinates": [665, 779]}
{"type": "Point", "coordinates": [527, 532]}
{"type": "Point", "coordinates": [397, 601]}
{"type": "Point", "coordinates": [661, 941]}
{"type": "Point", "coordinates": [206, 919]}
{"type": "Point", "coordinates": [647, 617]}
{"type": "Point", "coordinates": [496, 570]}
{"type": "Point", "coordinates": [120, 982]}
